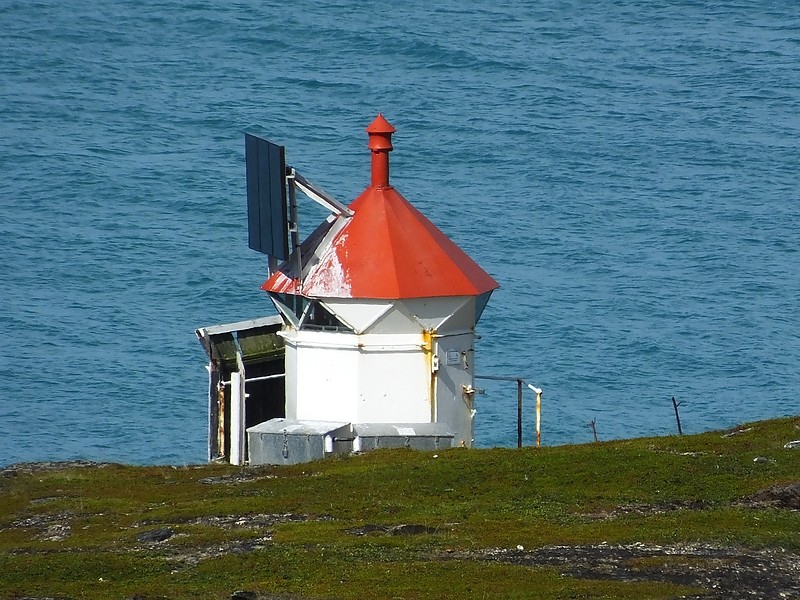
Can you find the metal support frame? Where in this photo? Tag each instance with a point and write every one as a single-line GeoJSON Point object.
{"type": "Point", "coordinates": [262, 378]}
{"type": "Point", "coordinates": [294, 229]}
{"type": "Point", "coordinates": [319, 196]}
{"type": "Point", "coordinates": [294, 225]}
{"type": "Point", "coordinates": [520, 381]}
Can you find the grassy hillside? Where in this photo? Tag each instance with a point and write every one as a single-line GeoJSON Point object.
{"type": "Point", "coordinates": [645, 518]}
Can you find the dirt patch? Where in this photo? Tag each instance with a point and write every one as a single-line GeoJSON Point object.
{"type": "Point", "coordinates": [256, 521]}
{"type": "Point", "coordinates": [723, 573]}
{"type": "Point", "coordinates": [244, 595]}
{"type": "Point", "coordinates": [38, 467]}
{"type": "Point", "coordinates": [244, 476]}
{"type": "Point", "coordinates": [49, 528]}
{"type": "Point", "coordinates": [778, 496]}
{"type": "Point", "coordinates": [404, 529]}
{"type": "Point", "coordinates": [183, 557]}
{"type": "Point", "coordinates": [785, 496]}
{"type": "Point", "coordinates": [659, 508]}
{"type": "Point", "coordinates": [184, 554]}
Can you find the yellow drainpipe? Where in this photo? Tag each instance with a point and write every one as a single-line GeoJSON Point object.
{"type": "Point", "coordinates": [430, 361]}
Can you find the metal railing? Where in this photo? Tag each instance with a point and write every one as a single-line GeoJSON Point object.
{"type": "Point", "coordinates": [520, 382]}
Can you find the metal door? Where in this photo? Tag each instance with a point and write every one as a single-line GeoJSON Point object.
{"type": "Point", "coordinates": [455, 384]}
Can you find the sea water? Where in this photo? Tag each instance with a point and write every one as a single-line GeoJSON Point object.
{"type": "Point", "coordinates": [627, 171]}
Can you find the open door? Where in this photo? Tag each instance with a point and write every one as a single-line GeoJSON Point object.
{"type": "Point", "coordinates": [245, 392]}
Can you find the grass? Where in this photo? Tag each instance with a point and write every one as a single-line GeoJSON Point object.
{"type": "Point", "coordinates": [472, 500]}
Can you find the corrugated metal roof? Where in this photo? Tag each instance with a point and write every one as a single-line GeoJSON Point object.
{"type": "Point", "coordinates": [258, 339]}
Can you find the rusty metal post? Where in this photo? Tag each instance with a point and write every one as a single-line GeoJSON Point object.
{"type": "Point", "coordinates": [519, 413]}
{"type": "Point", "coordinates": [538, 418]}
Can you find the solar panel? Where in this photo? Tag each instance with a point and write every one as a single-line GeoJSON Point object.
{"type": "Point", "coordinates": [267, 221]}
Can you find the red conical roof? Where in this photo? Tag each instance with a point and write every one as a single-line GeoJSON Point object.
{"type": "Point", "coordinates": [387, 250]}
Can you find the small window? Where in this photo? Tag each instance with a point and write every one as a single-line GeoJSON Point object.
{"type": "Point", "coordinates": [320, 318]}
{"type": "Point", "coordinates": [291, 306]}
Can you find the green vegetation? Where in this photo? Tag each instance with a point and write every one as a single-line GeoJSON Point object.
{"type": "Point", "coordinates": [332, 529]}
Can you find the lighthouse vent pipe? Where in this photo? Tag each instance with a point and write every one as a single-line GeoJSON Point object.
{"type": "Point", "coordinates": [380, 143]}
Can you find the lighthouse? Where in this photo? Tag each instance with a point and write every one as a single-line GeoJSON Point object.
{"type": "Point", "coordinates": [379, 309]}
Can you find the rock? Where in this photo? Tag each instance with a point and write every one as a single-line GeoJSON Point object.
{"type": "Point", "coordinates": [155, 535]}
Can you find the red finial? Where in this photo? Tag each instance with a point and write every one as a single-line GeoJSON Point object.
{"type": "Point", "coordinates": [380, 142]}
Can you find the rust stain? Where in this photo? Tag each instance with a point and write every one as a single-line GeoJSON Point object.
{"type": "Point", "coordinates": [430, 359]}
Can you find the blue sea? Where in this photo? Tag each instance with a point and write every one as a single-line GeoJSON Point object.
{"type": "Point", "coordinates": [628, 171]}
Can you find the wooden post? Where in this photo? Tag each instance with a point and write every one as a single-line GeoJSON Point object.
{"type": "Point", "coordinates": [677, 416]}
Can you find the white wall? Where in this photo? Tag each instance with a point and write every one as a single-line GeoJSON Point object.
{"type": "Point", "coordinates": [327, 376]}
{"type": "Point", "coordinates": [384, 375]}
{"type": "Point", "coordinates": [290, 380]}
{"type": "Point", "coordinates": [395, 384]}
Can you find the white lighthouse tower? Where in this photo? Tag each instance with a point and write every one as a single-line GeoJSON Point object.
{"type": "Point", "coordinates": [379, 314]}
